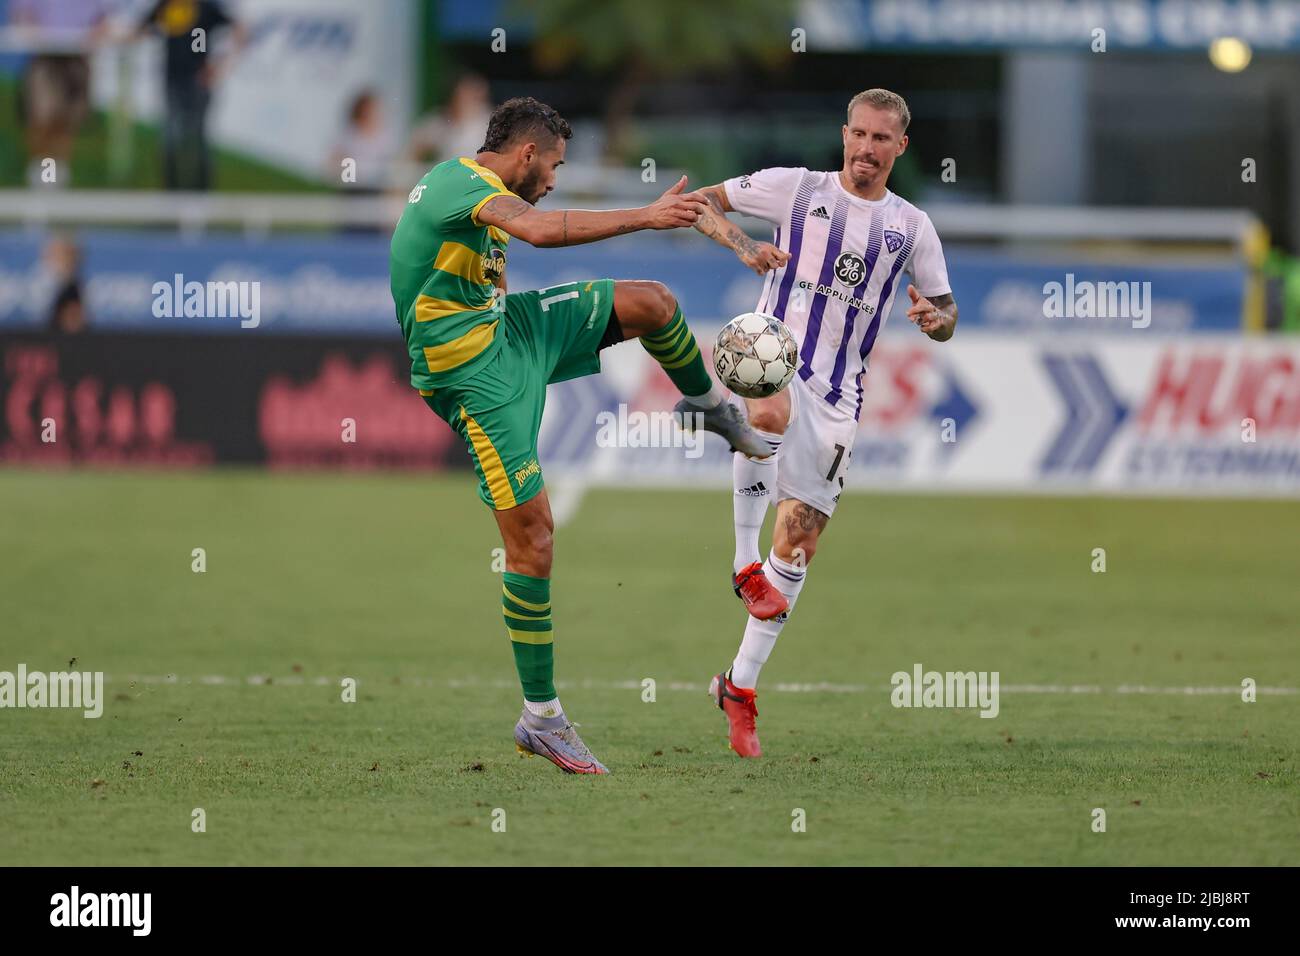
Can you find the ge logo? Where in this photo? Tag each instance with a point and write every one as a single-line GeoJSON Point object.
{"type": "Point", "coordinates": [850, 269]}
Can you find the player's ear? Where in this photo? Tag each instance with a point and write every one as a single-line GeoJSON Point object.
{"type": "Point", "coordinates": [902, 145]}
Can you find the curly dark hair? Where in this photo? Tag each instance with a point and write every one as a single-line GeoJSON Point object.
{"type": "Point", "coordinates": [523, 117]}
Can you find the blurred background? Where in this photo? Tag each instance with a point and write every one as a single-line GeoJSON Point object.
{"type": "Point", "coordinates": [1154, 142]}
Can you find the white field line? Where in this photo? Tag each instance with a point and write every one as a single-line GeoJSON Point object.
{"type": "Point", "coordinates": [298, 680]}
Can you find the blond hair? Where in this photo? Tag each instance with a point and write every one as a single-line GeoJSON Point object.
{"type": "Point", "coordinates": [883, 100]}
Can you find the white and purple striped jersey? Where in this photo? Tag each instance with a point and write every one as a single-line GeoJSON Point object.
{"type": "Point", "coordinates": [846, 254]}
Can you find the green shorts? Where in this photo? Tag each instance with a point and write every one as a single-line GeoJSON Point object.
{"type": "Point", "coordinates": [551, 335]}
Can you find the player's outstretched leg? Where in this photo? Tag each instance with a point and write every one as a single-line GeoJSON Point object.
{"type": "Point", "coordinates": [753, 488]}
{"type": "Point", "coordinates": [543, 728]}
{"type": "Point", "coordinates": [794, 542]}
{"type": "Point", "coordinates": [648, 311]}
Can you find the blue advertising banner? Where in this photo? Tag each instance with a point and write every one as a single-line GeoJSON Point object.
{"type": "Point", "coordinates": [324, 285]}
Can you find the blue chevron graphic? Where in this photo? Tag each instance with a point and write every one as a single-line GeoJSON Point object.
{"type": "Point", "coordinates": [1093, 413]}
{"type": "Point", "coordinates": [572, 407]}
{"type": "Point", "coordinates": [954, 404]}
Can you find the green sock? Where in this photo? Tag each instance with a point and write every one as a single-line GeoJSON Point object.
{"type": "Point", "coordinates": [526, 604]}
{"type": "Point", "coordinates": [675, 348]}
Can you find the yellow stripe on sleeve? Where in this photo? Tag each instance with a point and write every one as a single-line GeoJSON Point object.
{"type": "Point", "coordinates": [473, 213]}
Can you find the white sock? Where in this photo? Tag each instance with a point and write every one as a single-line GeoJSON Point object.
{"type": "Point", "coordinates": [753, 485]}
{"type": "Point", "coordinates": [545, 708]}
{"type": "Point", "coordinates": [714, 397]}
{"type": "Point", "coordinates": [760, 636]}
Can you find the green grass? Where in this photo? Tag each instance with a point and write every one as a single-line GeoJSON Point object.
{"type": "Point", "coordinates": [388, 580]}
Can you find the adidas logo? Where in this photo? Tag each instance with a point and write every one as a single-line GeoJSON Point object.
{"type": "Point", "coordinates": [820, 213]}
{"type": "Point", "coordinates": [754, 491]}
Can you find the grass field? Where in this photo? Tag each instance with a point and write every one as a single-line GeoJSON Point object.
{"type": "Point", "coordinates": [388, 580]}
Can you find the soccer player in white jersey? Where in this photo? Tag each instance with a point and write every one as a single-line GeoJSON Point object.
{"type": "Point", "coordinates": [833, 267]}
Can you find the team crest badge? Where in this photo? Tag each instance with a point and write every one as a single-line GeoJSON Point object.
{"type": "Point", "coordinates": [893, 240]}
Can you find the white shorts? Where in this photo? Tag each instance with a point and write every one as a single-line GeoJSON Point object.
{"type": "Point", "coordinates": [814, 457]}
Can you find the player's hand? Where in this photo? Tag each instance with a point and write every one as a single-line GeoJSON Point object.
{"type": "Point", "coordinates": [762, 257]}
{"type": "Point", "coordinates": [675, 208]}
{"type": "Point", "coordinates": [925, 315]}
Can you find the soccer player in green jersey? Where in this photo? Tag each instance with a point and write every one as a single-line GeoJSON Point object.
{"type": "Point", "coordinates": [482, 359]}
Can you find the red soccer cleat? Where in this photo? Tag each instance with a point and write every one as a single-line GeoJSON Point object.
{"type": "Point", "coordinates": [762, 599]}
{"type": "Point", "coordinates": [738, 704]}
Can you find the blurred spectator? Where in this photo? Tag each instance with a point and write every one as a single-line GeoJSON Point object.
{"type": "Point", "coordinates": [459, 129]}
{"type": "Point", "coordinates": [191, 77]}
{"type": "Point", "coordinates": [56, 82]}
{"type": "Point", "coordinates": [367, 141]}
{"type": "Point", "coordinates": [59, 286]}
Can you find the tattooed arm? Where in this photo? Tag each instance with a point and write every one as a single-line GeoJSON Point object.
{"type": "Point", "coordinates": [571, 227]}
{"type": "Point", "coordinates": [936, 317]}
{"type": "Point", "coordinates": [759, 256]}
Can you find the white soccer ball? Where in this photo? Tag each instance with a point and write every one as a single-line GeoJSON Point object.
{"type": "Point", "coordinates": [755, 355]}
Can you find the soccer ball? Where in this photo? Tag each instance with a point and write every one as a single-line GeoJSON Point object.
{"type": "Point", "coordinates": [755, 355]}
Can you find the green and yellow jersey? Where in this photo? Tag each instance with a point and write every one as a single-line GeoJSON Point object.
{"type": "Point", "coordinates": [443, 269]}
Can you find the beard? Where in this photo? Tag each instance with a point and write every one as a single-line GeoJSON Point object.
{"type": "Point", "coordinates": [530, 189]}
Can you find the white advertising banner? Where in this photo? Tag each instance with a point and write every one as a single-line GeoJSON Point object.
{"type": "Point", "coordinates": [1124, 414]}
{"type": "Point", "coordinates": [286, 96]}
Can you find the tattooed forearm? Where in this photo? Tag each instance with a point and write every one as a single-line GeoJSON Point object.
{"type": "Point", "coordinates": [948, 306]}
{"type": "Point", "coordinates": [744, 245]}
{"type": "Point", "coordinates": [715, 224]}
{"type": "Point", "coordinates": [944, 303]}
{"type": "Point", "coordinates": [566, 228]}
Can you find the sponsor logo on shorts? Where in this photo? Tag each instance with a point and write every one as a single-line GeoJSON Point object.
{"type": "Point", "coordinates": [523, 474]}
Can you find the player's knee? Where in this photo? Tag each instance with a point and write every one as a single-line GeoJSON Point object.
{"type": "Point", "coordinates": [767, 418]}
{"type": "Point", "coordinates": [538, 541]}
{"type": "Point", "coordinates": [530, 550]}
{"type": "Point", "coordinates": [660, 303]}
{"type": "Point", "coordinates": [798, 552]}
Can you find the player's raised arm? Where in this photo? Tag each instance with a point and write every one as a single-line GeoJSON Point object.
{"type": "Point", "coordinates": [571, 227]}
{"type": "Point", "coordinates": [762, 257]}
